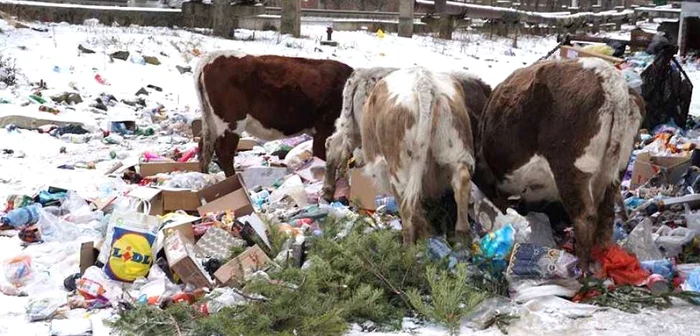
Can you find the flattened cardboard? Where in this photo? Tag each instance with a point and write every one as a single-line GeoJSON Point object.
{"type": "Point", "coordinates": [246, 144]}
{"type": "Point", "coordinates": [180, 255]}
{"type": "Point", "coordinates": [233, 272]}
{"type": "Point", "coordinates": [646, 166]}
{"type": "Point", "coordinates": [229, 194]}
{"type": "Point", "coordinates": [363, 190]}
{"type": "Point", "coordinates": [88, 255]}
{"type": "Point", "coordinates": [172, 200]}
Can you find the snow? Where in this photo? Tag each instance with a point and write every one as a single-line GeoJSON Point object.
{"type": "Point", "coordinates": [37, 54]}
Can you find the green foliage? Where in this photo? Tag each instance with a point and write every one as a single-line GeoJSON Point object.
{"type": "Point", "coordinates": [451, 297]}
{"type": "Point", "coordinates": [363, 276]}
{"type": "Point", "coordinates": [178, 319]}
{"type": "Point", "coordinates": [633, 299]}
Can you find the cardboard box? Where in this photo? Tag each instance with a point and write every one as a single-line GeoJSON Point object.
{"type": "Point", "coordinates": [363, 190]}
{"type": "Point", "coordinates": [171, 200]}
{"type": "Point", "coordinates": [181, 259]}
{"type": "Point", "coordinates": [217, 243]}
{"type": "Point", "coordinates": [229, 194]}
{"type": "Point", "coordinates": [246, 144]}
{"type": "Point", "coordinates": [233, 272]}
{"type": "Point", "coordinates": [182, 223]}
{"type": "Point", "coordinates": [646, 166]}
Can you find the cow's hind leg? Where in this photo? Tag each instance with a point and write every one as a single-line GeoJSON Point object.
{"type": "Point", "coordinates": [226, 152]}
{"type": "Point", "coordinates": [606, 215]}
{"type": "Point", "coordinates": [574, 188]}
{"type": "Point", "coordinates": [461, 184]}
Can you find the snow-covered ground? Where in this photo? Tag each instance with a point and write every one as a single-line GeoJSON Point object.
{"type": "Point", "coordinates": [53, 57]}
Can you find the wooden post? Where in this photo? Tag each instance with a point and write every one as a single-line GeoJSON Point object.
{"type": "Point", "coordinates": [406, 18]}
{"type": "Point", "coordinates": [291, 18]}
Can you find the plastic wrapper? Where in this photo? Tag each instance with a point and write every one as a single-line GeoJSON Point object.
{"type": "Point", "coordinates": [692, 283]}
{"type": "Point", "coordinates": [495, 247]}
{"type": "Point", "coordinates": [527, 289]}
{"type": "Point", "coordinates": [95, 284]}
{"type": "Point", "coordinates": [530, 261]}
{"type": "Point", "coordinates": [299, 155]}
{"type": "Point", "coordinates": [221, 298]}
{"type": "Point", "coordinates": [189, 180]}
{"type": "Point", "coordinates": [71, 327]}
{"type": "Point", "coordinates": [18, 270]}
{"type": "Point", "coordinates": [634, 80]}
{"type": "Point", "coordinates": [292, 187]}
{"type": "Point", "coordinates": [662, 267]}
{"type": "Point", "coordinates": [488, 310]}
{"type": "Point", "coordinates": [640, 242]}
{"type": "Point", "coordinates": [44, 308]}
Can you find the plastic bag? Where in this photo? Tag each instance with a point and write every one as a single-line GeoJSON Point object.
{"type": "Point", "coordinates": [292, 187]}
{"type": "Point", "coordinates": [540, 230]}
{"type": "Point", "coordinates": [640, 242]}
{"type": "Point", "coordinates": [528, 289]}
{"type": "Point", "coordinates": [299, 155]}
{"type": "Point", "coordinates": [18, 270]}
{"type": "Point", "coordinates": [531, 261]}
{"type": "Point", "coordinates": [131, 254]}
{"type": "Point", "coordinates": [488, 310]}
{"type": "Point", "coordinates": [94, 284]}
{"type": "Point", "coordinates": [671, 241]}
{"type": "Point", "coordinates": [496, 246]}
{"type": "Point", "coordinates": [634, 80]}
{"type": "Point", "coordinates": [126, 214]}
{"type": "Point", "coordinates": [43, 308]}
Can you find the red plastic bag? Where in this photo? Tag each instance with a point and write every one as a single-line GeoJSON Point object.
{"type": "Point", "coordinates": [620, 265]}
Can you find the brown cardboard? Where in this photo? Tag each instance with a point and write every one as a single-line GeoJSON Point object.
{"type": "Point", "coordinates": [246, 144]}
{"type": "Point", "coordinates": [153, 168]}
{"type": "Point", "coordinates": [171, 200]}
{"type": "Point", "coordinates": [88, 255]}
{"type": "Point", "coordinates": [646, 166]}
{"type": "Point", "coordinates": [363, 190]}
{"type": "Point", "coordinates": [230, 194]}
{"type": "Point", "coordinates": [180, 255]}
{"type": "Point", "coordinates": [233, 272]}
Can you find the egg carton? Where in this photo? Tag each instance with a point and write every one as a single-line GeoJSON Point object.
{"type": "Point", "coordinates": [217, 243]}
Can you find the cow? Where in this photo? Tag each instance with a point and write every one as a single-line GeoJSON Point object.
{"type": "Point", "coordinates": [417, 141]}
{"type": "Point", "coordinates": [270, 97]}
{"type": "Point", "coordinates": [560, 131]}
{"type": "Point", "coordinates": [346, 139]}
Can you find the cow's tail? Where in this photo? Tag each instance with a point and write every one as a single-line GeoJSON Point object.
{"type": "Point", "coordinates": [208, 137]}
{"type": "Point", "coordinates": [427, 99]}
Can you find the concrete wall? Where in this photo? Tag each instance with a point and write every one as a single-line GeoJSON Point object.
{"type": "Point", "coordinates": [107, 15]}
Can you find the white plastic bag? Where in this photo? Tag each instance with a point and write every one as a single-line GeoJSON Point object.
{"type": "Point", "coordinates": [126, 214]}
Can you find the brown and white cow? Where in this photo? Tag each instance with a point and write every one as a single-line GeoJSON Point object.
{"type": "Point", "coordinates": [417, 141]}
{"type": "Point", "coordinates": [270, 97]}
{"type": "Point", "coordinates": [346, 140]}
{"type": "Point", "coordinates": [560, 131]}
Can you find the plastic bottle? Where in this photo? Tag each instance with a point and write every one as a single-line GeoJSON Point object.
{"type": "Point", "coordinates": [389, 202]}
{"type": "Point", "coordinates": [22, 216]}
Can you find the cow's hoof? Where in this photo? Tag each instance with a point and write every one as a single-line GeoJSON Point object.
{"type": "Point", "coordinates": [461, 240]}
{"type": "Point", "coordinates": [327, 194]}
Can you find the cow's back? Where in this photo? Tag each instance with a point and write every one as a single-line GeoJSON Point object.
{"type": "Point", "coordinates": [287, 94]}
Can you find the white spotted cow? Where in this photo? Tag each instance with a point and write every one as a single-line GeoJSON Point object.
{"type": "Point", "coordinates": [417, 141]}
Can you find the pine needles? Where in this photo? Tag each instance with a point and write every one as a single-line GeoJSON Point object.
{"type": "Point", "coordinates": [367, 275]}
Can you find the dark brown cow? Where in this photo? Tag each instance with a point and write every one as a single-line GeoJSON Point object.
{"type": "Point", "coordinates": [270, 97]}
{"type": "Point", "coordinates": [560, 131]}
{"type": "Point", "coordinates": [417, 141]}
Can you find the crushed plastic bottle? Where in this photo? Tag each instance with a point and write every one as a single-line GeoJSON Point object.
{"type": "Point", "coordinates": [22, 216]}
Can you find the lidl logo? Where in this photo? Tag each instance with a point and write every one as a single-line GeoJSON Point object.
{"type": "Point", "coordinates": [131, 255]}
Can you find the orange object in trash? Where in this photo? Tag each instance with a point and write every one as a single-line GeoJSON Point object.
{"type": "Point", "coordinates": [619, 265]}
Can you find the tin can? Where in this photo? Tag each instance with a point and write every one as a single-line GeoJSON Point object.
{"type": "Point", "coordinates": [657, 284]}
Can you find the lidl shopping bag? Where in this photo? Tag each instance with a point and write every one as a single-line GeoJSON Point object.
{"type": "Point", "coordinates": [131, 254]}
{"type": "Point", "coordinates": [127, 218]}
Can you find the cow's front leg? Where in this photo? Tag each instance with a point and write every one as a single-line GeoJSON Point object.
{"type": "Point", "coordinates": [226, 152]}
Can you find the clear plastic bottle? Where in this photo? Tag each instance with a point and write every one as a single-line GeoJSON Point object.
{"type": "Point", "coordinates": [22, 216]}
